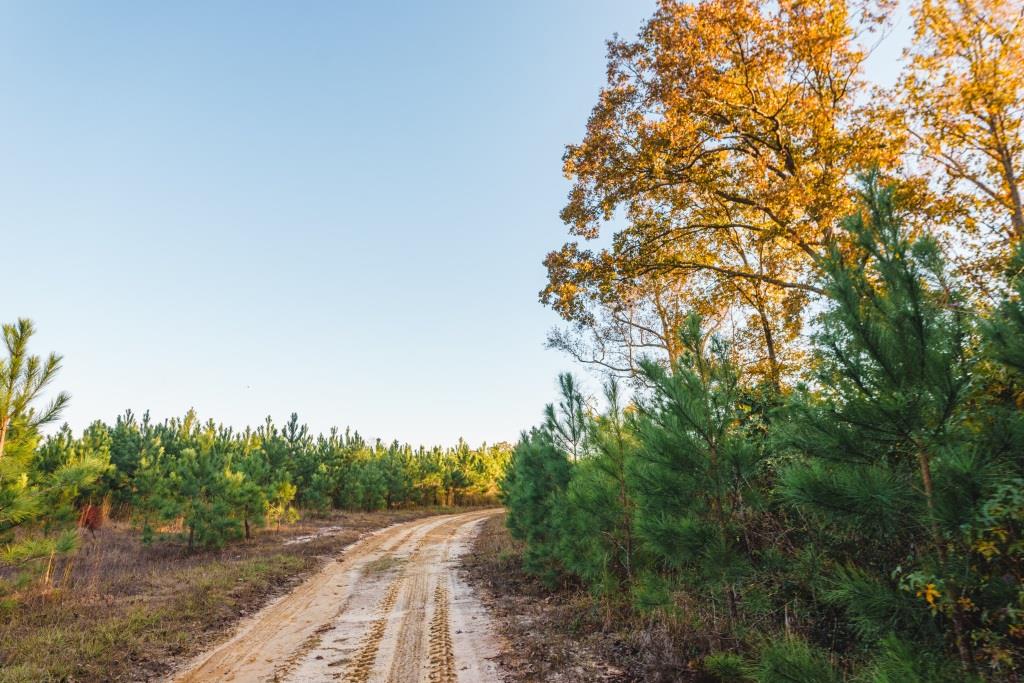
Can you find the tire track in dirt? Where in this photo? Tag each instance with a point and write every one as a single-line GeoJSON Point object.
{"type": "Point", "coordinates": [406, 662]}
{"type": "Point", "coordinates": [413, 636]}
{"type": "Point", "coordinates": [442, 653]}
{"type": "Point", "coordinates": [267, 642]}
{"type": "Point", "coordinates": [370, 647]}
{"type": "Point", "coordinates": [382, 613]}
{"type": "Point", "coordinates": [362, 664]}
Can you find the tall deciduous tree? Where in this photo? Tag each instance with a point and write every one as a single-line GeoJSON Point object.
{"type": "Point", "coordinates": [727, 133]}
{"type": "Point", "coordinates": [963, 91]}
{"type": "Point", "coordinates": [615, 321]}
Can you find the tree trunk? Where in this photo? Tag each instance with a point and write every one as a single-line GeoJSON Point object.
{"type": "Point", "coordinates": [5, 423]}
{"type": "Point", "coordinates": [769, 342]}
{"type": "Point", "coordinates": [924, 463]}
{"type": "Point", "coordinates": [756, 301]}
{"type": "Point", "coordinates": [1018, 214]}
{"type": "Point", "coordinates": [626, 529]}
{"type": "Point", "coordinates": [1016, 204]}
{"type": "Point", "coordinates": [962, 648]}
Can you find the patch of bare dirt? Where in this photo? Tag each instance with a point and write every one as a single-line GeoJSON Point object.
{"type": "Point", "coordinates": [391, 608]}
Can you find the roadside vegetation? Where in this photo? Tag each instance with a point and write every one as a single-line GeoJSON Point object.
{"type": "Point", "coordinates": [131, 545]}
{"type": "Point", "coordinates": [808, 462]}
{"type": "Point", "coordinates": [563, 634]}
{"type": "Point", "coordinates": [186, 479]}
{"type": "Point", "coordinates": [122, 611]}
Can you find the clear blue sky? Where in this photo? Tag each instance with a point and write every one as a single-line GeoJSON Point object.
{"type": "Point", "coordinates": [333, 208]}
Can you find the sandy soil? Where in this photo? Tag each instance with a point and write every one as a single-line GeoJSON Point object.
{"type": "Point", "coordinates": [392, 609]}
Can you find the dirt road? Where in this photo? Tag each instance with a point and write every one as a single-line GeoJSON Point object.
{"type": "Point", "coordinates": [391, 609]}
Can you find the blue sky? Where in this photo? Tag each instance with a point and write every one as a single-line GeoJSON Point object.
{"type": "Point", "coordinates": [333, 208]}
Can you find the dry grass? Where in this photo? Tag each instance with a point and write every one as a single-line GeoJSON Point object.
{"type": "Point", "coordinates": [124, 612]}
{"type": "Point", "coordinates": [565, 635]}
{"type": "Point", "coordinates": [382, 564]}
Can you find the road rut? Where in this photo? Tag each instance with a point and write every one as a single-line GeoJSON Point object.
{"type": "Point", "coordinates": [392, 609]}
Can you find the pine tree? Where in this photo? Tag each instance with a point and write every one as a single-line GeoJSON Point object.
{"type": "Point", "coordinates": [597, 522]}
{"type": "Point", "coordinates": [72, 472]}
{"type": "Point", "coordinates": [993, 543]}
{"type": "Point", "coordinates": [533, 492]}
{"type": "Point", "coordinates": [206, 496]}
{"type": "Point", "coordinates": [886, 467]}
{"type": "Point", "coordinates": [22, 379]}
{"type": "Point", "coordinates": [126, 448]}
{"type": "Point", "coordinates": [694, 470]}
{"type": "Point", "coordinates": [253, 489]}
{"type": "Point", "coordinates": [1005, 329]}
{"type": "Point", "coordinates": [567, 422]}
{"type": "Point", "coordinates": [26, 492]}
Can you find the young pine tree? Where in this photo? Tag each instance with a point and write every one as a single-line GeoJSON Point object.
{"type": "Point", "coordinates": [887, 470]}
{"type": "Point", "coordinates": [25, 491]}
{"type": "Point", "coordinates": [59, 466]}
{"type": "Point", "coordinates": [206, 494]}
{"type": "Point", "coordinates": [597, 523]}
{"type": "Point", "coordinates": [694, 473]}
{"type": "Point", "coordinates": [567, 422]}
{"type": "Point", "coordinates": [252, 489]}
{"type": "Point", "coordinates": [126, 447]}
{"type": "Point", "coordinates": [23, 378]}
{"type": "Point", "coordinates": [533, 492]}
{"type": "Point", "coordinates": [534, 486]}
{"type": "Point", "coordinates": [993, 543]}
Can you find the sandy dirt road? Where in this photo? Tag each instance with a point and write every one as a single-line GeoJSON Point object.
{"type": "Point", "coordinates": [392, 609]}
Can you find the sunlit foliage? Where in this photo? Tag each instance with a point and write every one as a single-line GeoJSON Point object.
{"type": "Point", "coordinates": [864, 525]}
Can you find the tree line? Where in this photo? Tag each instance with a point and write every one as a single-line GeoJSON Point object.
{"type": "Point", "coordinates": [204, 482]}
{"type": "Point", "coordinates": [808, 464]}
